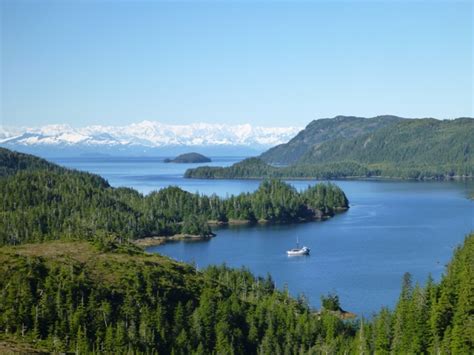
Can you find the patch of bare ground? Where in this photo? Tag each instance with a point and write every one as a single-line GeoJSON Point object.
{"type": "Point", "coordinates": [159, 240]}
{"type": "Point", "coordinates": [13, 346]}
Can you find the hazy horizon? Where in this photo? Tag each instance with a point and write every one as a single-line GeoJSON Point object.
{"type": "Point", "coordinates": [78, 125]}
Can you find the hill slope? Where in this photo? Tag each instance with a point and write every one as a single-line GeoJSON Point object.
{"type": "Point", "coordinates": [324, 130]}
{"type": "Point", "coordinates": [82, 298]}
{"type": "Point", "coordinates": [109, 297]}
{"type": "Point", "coordinates": [408, 148]}
{"type": "Point", "coordinates": [408, 142]}
{"type": "Point", "coordinates": [12, 162]}
{"type": "Point", "coordinates": [42, 201]}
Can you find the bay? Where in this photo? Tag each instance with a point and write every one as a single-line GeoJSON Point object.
{"type": "Point", "coordinates": [392, 227]}
{"type": "Point", "coordinates": [147, 174]}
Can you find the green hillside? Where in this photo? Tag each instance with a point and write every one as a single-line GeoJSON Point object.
{"type": "Point", "coordinates": [404, 148]}
{"type": "Point", "coordinates": [110, 297]}
{"type": "Point", "coordinates": [43, 204]}
{"type": "Point", "coordinates": [408, 142]}
{"type": "Point", "coordinates": [254, 168]}
{"type": "Point", "coordinates": [12, 162]}
{"type": "Point", "coordinates": [81, 298]}
{"type": "Point", "coordinates": [324, 130]}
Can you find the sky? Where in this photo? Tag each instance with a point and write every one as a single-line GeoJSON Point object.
{"type": "Point", "coordinates": [269, 63]}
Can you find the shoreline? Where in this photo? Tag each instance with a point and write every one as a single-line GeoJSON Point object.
{"type": "Point", "coordinates": [161, 240]}
{"type": "Point", "coordinates": [342, 178]}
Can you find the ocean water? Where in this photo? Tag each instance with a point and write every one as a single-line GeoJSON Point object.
{"type": "Point", "coordinates": [392, 227]}
{"type": "Point", "coordinates": [147, 174]}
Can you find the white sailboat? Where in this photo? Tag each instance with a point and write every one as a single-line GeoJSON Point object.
{"type": "Point", "coordinates": [298, 251]}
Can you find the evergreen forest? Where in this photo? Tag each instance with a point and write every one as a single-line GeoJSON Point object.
{"type": "Point", "coordinates": [109, 297]}
{"type": "Point", "coordinates": [356, 147]}
{"type": "Point", "coordinates": [47, 202]}
{"type": "Point", "coordinates": [71, 281]}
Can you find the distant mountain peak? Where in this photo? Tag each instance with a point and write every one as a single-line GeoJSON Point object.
{"type": "Point", "coordinates": [147, 134]}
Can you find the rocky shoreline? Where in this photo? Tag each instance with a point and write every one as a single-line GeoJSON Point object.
{"type": "Point", "coordinates": [160, 240]}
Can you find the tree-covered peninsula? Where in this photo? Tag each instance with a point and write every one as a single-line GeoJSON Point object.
{"type": "Point", "coordinates": [46, 202]}
{"type": "Point", "coordinates": [110, 297]}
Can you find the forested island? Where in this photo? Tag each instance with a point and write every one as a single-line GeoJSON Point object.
{"type": "Point", "coordinates": [189, 158]}
{"type": "Point", "coordinates": [43, 201]}
{"type": "Point", "coordinates": [355, 147]}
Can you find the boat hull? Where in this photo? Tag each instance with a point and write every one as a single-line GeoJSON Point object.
{"type": "Point", "coordinates": [298, 252]}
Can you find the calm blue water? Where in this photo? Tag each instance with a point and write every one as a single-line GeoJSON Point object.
{"type": "Point", "coordinates": [146, 174]}
{"type": "Point", "coordinates": [391, 228]}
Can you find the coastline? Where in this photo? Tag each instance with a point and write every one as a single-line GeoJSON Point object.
{"type": "Point", "coordinates": [342, 178]}
{"type": "Point", "coordinates": [160, 240]}
{"type": "Point", "coordinates": [242, 222]}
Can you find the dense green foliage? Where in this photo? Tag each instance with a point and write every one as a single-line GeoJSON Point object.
{"type": "Point", "coordinates": [410, 149]}
{"type": "Point", "coordinates": [73, 296]}
{"type": "Point", "coordinates": [408, 142]}
{"type": "Point", "coordinates": [324, 130]}
{"type": "Point", "coordinates": [251, 168]}
{"type": "Point", "coordinates": [437, 318]}
{"type": "Point", "coordinates": [12, 162]}
{"type": "Point", "coordinates": [254, 168]}
{"type": "Point", "coordinates": [189, 158]}
{"type": "Point", "coordinates": [44, 204]}
{"type": "Point", "coordinates": [330, 302]}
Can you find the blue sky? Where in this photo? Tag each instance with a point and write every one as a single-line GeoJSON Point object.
{"type": "Point", "coordinates": [266, 63]}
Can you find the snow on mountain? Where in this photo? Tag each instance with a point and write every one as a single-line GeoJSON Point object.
{"type": "Point", "coordinates": [3, 134]}
{"type": "Point", "coordinates": [148, 134]}
{"type": "Point", "coordinates": [7, 133]}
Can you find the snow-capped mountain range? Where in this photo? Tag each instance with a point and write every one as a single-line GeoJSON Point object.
{"type": "Point", "coordinates": [144, 137]}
